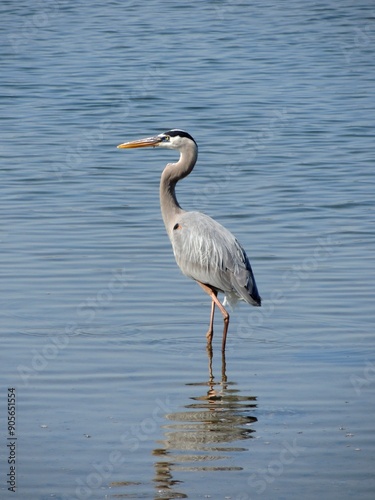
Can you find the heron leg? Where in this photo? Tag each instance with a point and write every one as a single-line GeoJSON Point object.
{"type": "Point", "coordinates": [210, 332]}
{"type": "Point", "coordinates": [215, 301]}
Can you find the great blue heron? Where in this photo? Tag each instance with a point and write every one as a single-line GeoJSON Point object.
{"type": "Point", "coordinates": [204, 250]}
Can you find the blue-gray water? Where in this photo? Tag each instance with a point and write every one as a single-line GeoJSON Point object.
{"type": "Point", "coordinates": [102, 337]}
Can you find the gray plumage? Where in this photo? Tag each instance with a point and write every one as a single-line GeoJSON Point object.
{"type": "Point", "coordinates": [204, 250]}
{"type": "Point", "coordinates": [207, 252]}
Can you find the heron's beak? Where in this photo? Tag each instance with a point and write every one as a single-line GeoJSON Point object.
{"type": "Point", "coordinates": [141, 143]}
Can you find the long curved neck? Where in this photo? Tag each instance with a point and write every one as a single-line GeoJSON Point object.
{"type": "Point", "coordinates": [172, 173]}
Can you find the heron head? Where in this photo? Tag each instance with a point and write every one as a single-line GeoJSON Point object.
{"type": "Point", "coordinates": [173, 139]}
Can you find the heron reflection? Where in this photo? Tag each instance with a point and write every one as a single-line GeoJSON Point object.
{"type": "Point", "coordinates": [202, 436]}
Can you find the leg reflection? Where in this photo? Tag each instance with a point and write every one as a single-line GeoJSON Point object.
{"type": "Point", "coordinates": [201, 435]}
{"type": "Point", "coordinates": [223, 365]}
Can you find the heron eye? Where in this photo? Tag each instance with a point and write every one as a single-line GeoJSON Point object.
{"type": "Point", "coordinates": [166, 138]}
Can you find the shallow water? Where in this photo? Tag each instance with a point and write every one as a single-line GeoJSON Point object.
{"type": "Point", "coordinates": [101, 336]}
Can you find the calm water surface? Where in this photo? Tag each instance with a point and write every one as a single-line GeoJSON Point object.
{"type": "Point", "coordinates": [101, 336]}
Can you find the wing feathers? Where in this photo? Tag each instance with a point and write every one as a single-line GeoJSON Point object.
{"type": "Point", "coordinates": [206, 251]}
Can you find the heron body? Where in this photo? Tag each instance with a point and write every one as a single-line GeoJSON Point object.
{"type": "Point", "coordinates": [204, 249]}
{"type": "Point", "coordinates": [207, 252]}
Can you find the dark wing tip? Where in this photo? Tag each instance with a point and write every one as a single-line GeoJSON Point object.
{"type": "Point", "coordinates": [254, 294]}
{"type": "Point", "coordinates": [257, 299]}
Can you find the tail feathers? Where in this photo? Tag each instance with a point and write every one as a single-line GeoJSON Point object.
{"type": "Point", "coordinates": [243, 280]}
{"type": "Point", "coordinates": [256, 297]}
{"type": "Point", "coordinates": [244, 284]}
{"type": "Point", "coordinates": [252, 290]}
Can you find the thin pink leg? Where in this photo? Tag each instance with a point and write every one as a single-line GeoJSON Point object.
{"type": "Point", "coordinates": [210, 332]}
{"type": "Point", "coordinates": [215, 301]}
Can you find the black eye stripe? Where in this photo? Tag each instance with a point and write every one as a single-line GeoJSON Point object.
{"type": "Point", "coordinates": [180, 133]}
